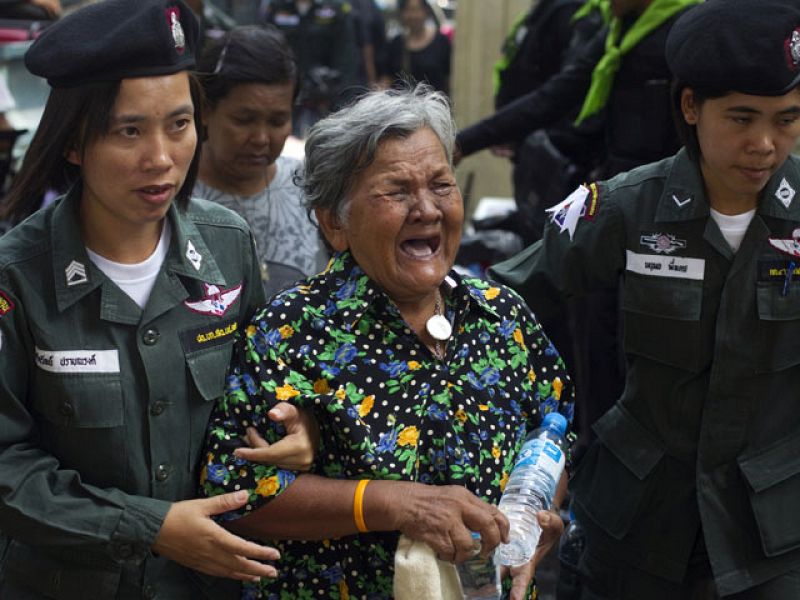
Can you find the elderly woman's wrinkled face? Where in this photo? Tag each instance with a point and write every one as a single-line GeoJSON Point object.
{"type": "Point", "coordinates": [405, 215]}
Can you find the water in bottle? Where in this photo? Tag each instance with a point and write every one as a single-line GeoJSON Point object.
{"type": "Point", "coordinates": [531, 487]}
{"type": "Point", "coordinates": [570, 549]}
{"type": "Point", "coordinates": [478, 576]}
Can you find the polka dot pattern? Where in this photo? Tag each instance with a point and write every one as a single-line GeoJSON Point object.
{"type": "Point", "coordinates": [386, 406]}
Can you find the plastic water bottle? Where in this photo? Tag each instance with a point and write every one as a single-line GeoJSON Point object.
{"type": "Point", "coordinates": [570, 549]}
{"type": "Point", "coordinates": [530, 488]}
{"type": "Point", "coordinates": [478, 576]}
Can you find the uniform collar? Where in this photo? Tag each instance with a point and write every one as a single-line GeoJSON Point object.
{"type": "Point", "coordinates": [781, 195]}
{"type": "Point", "coordinates": [188, 254]}
{"type": "Point", "coordinates": [684, 195]}
{"type": "Point", "coordinates": [75, 276]}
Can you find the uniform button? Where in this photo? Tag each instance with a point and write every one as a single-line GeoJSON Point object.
{"type": "Point", "coordinates": [66, 409]}
{"type": "Point", "coordinates": [149, 592]}
{"type": "Point", "coordinates": [150, 337]}
{"type": "Point", "coordinates": [162, 472]}
{"type": "Point", "coordinates": [157, 408]}
{"type": "Point", "coordinates": [124, 551]}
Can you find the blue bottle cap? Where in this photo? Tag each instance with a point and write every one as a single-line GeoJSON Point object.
{"type": "Point", "coordinates": [556, 422]}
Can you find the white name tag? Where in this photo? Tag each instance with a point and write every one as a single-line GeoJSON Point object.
{"type": "Point", "coordinates": [666, 266]}
{"type": "Point", "coordinates": [78, 361]}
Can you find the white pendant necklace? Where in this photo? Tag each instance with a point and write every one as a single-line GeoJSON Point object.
{"type": "Point", "coordinates": [438, 325]}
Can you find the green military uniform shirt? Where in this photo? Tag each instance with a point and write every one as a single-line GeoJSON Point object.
{"type": "Point", "coordinates": [707, 431]}
{"type": "Point", "coordinates": [103, 405]}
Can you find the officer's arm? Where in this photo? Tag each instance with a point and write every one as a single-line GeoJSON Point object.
{"type": "Point", "coordinates": [555, 99]}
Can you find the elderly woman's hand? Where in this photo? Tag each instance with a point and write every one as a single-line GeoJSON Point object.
{"type": "Point", "coordinates": [552, 528]}
{"type": "Point", "coordinates": [444, 517]}
{"type": "Point", "coordinates": [295, 451]}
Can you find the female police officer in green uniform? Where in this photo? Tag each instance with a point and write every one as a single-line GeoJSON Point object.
{"type": "Point", "coordinates": [118, 308]}
{"type": "Point", "coordinates": [692, 489]}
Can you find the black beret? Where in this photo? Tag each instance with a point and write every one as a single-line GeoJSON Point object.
{"type": "Point", "coordinates": [116, 39]}
{"type": "Point", "coordinates": [746, 46]}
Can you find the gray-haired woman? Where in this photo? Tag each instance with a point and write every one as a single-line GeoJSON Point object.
{"type": "Point", "coordinates": [423, 383]}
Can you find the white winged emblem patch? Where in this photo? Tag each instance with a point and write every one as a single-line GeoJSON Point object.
{"type": "Point", "coordinates": [216, 301]}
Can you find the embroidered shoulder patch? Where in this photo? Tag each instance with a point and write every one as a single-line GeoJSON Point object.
{"type": "Point", "coordinates": [6, 305]}
{"type": "Point", "coordinates": [593, 202]}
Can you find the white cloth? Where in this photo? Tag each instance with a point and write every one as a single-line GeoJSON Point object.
{"type": "Point", "coordinates": [733, 227]}
{"type": "Point", "coordinates": [419, 574]}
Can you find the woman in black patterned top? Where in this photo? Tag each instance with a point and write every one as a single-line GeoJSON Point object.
{"type": "Point", "coordinates": [433, 417]}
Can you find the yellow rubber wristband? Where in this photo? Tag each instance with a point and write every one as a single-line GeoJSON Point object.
{"type": "Point", "coordinates": [358, 506]}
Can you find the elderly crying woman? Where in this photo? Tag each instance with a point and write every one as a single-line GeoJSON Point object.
{"type": "Point", "coordinates": [424, 383]}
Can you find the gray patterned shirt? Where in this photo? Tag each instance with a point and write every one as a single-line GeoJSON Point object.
{"type": "Point", "coordinates": [287, 242]}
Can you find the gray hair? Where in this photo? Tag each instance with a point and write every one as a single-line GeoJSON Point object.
{"type": "Point", "coordinates": [343, 144]}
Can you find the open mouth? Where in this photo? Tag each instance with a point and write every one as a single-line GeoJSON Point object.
{"type": "Point", "coordinates": [156, 193]}
{"type": "Point", "coordinates": [423, 247]}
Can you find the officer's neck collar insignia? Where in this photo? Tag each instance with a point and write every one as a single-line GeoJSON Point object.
{"type": "Point", "coordinates": [790, 247]}
{"type": "Point", "coordinates": [75, 273]}
{"type": "Point", "coordinates": [681, 203]}
{"type": "Point", "coordinates": [785, 193]}
{"type": "Point", "coordinates": [793, 50]}
{"type": "Point", "coordinates": [193, 255]}
{"type": "Point", "coordinates": [174, 21]}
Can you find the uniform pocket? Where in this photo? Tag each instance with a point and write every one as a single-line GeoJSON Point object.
{"type": "Point", "coordinates": [662, 320]}
{"type": "Point", "coordinates": [208, 368]}
{"type": "Point", "coordinates": [80, 401]}
{"type": "Point", "coordinates": [773, 475]}
{"type": "Point", "coordinates": [779, 323]}
{"type": "Point", "coordinates": [616, 473]}
{"type": "Point", "coordinates": [83, 423]}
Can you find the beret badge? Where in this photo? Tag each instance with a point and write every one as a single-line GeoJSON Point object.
{"type": "Point", "coordinates": [173, 20]}
{"type": "Point", "coordinates": [793, 50]}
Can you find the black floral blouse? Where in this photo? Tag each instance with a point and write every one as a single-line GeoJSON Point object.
{"type": "Point", "coordinates": [387, 408]}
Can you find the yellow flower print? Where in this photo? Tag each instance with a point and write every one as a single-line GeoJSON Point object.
{"type": "Point", "coordinates": [558, 385]}
{"type": "Point", "coordinates": [483, 407]}
{"type": "Point", "coordinates": [461, 415]}
{"type": "Point", "coordinates": [503, 481]}
{"type": "Point", "coordinates": [366, 406]}
{"type": "Point", "coordinates": [286, 392]}
{"type": "Point", "coordinates": [518, 337]}
{"type": "Point", "coordinates": [267, 486]}
{"type": "Point", "coordinates": [250, 331]}
{"type": "Point", "coordinates": [491, 293]}
{"type": "Point", "coordinates": [413, 365]}
{"type": "Point", "coordinates": [203, 474]}
{"type": "Point", "coordinates": [321, 386]}
{"type": "Point", "coordinates": [495, 451]}
{"type": "Point", "coordinates": [340, 394]}
{"type": "Point", "coordinates": [408, 437]}
{"type": "Point", "coordinates": [326, 543]}
{"type": "Point", "coordinates": [344, 591]}
{"type": "Point", "coordinates": [532, 376]}
{"type": "Point", "coordinates": [287, 331]}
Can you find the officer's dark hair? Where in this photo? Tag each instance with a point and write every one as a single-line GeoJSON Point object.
{"type": "Point", "coordinates": [247, 54]}
{"type": "Point", "coordinates": [402, 4]}
{"type": "Point", "coordinates": [73, 118]}
{"type": "Point", "coordinates": [688, 133]}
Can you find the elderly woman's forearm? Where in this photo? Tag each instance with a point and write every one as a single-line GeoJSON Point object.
{"type": "Point", "coordinates": [318, 508]}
